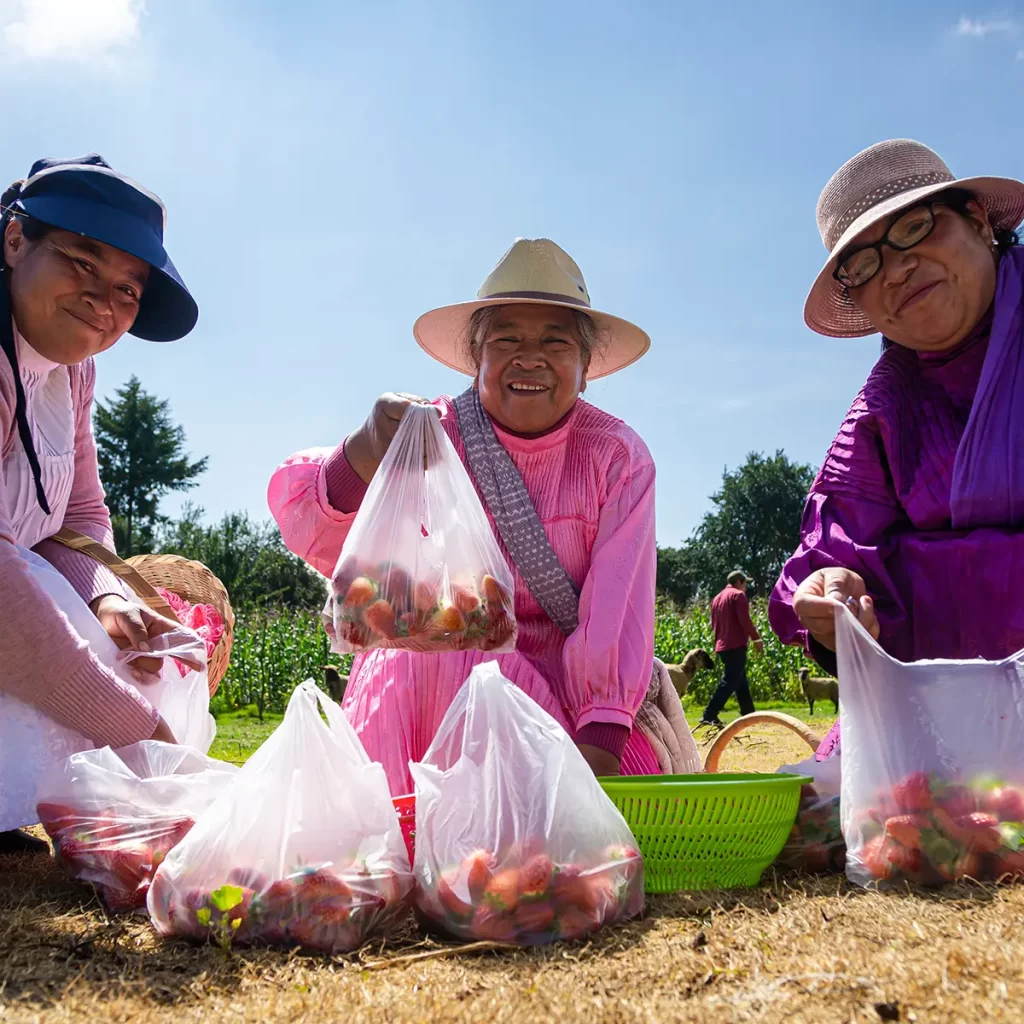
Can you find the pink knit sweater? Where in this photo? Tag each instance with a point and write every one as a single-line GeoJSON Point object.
{"type": "Point", "coordinates": [592, 482]}
{"type": "Point", "coordinates": [43, 662]}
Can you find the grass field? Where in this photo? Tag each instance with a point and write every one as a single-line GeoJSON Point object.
{"type": "Point", "coordinates": [795, 949]}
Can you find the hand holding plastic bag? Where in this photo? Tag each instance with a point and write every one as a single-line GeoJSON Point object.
{"type": "Point", "coordinates": [114, 815]}
{"type": "Point", "coordinates": [515, 839]}
{"type": "Point", "coordinates": [420, 569]}
{"type": "Point", "coordinates": [303, 849]}
{"type": "Point", "coordinates": [933, 782]}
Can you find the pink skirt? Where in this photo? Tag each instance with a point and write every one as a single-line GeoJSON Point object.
{"type": "Point", "coordinates": [395, 702]}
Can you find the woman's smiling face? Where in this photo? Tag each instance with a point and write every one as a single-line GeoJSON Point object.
{"type": "Point", "coordinates": [73, 297]}
{"type": "Point", "coordinates": [532, 365]}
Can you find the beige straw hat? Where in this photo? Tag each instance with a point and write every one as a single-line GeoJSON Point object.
{"type": "Point", "coordinates": [876, 183]}
{"type": "Point", "coordinates": [534, 270]}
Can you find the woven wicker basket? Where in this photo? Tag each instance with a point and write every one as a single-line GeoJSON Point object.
{"type": "Point", "coordinates": [733, 729]}
{"type": "Point", "coordinates": [189, 580]}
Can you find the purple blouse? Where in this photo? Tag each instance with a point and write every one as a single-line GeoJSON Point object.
{"type": "Point", "coordinates": [929, 433]}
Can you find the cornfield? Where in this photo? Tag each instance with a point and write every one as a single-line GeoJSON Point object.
{"type": "Point", "coordinates": [276, 649]}
{"type": "Point", "coordinates": [772, 676]}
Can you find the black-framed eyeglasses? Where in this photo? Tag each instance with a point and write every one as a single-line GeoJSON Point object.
{"type": "Point", "coordinates": [859, 266]}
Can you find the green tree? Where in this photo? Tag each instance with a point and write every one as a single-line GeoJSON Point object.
{"type": "Point", "coordinates": [142, 457]}
{"type": "Point", "coordinates": [248, 557]}
{"type": "Point", "coordinates": [678, 576]}
{"type": "Point", "coordinates": [755, 523]}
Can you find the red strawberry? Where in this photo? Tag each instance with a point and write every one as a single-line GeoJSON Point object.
{"type": "Point", "coordinates": [479, 868]}
{"type": "Point", "coordinates": [535, 917]}
{"type": "Point", "coordinates": [1006, 802]}
{"type": "Point", "coordinates": [502, 891]}
{"type": "Point", "coordinates": [380, 617]}
{"type": "Point", "coordinates": [322, 886]}
{"type": "Point", "coordinates": [361, 591]}
{"type": "Point", "coordinates": [120, 901]}
{"type": "Point", "coordinates": [574, 923]}
{"type": "Point", "coordinates": [450, 900]}
{"type": "Point", "coordinates": [914, 793]}
{"type": "Point", "coordinates": [536, 878]}
{"type": "Point", "coordinates": [493, 591]}
{"type": "Point", "coordinates": [874, 859]}
{"type": "Point", "coordinates": [490, 923]}
{"type": "Point", "coordinates": [355, 634]}
{"type": "Point", "coordinates": [572, 889]}
{"type": "Point", "coordinates": [980, 832]}
{"type": "Point", "coordinates": [424, 597]}
{"type": "Point", "coordinates": [130, 867]}
{"type": "Point", "coordinates": [957, 800]}
{"type": "Point", "coordinates": [465, 600]}
{"type": "Point", "coordinates": [906, 829]}
{"type": "Point", "coordinates": [451, 620]}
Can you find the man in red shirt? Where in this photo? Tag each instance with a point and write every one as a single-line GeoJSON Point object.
{"type": "Point", "coordinates": [733, 629]}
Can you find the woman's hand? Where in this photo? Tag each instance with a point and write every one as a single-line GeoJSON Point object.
{"type": "Point", "coordinates": [815, 603]}
{"type": "Point", "coordinates": [132, 627]}
{"type": "Point", "coordinates": [367, 446]}
{"type": "Point", "coordinates": [601, 761]}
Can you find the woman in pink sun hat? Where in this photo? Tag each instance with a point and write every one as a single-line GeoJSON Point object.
{"type": "Point", "coordinates": [569, 492]}
{"type": "Point", "coordinates": [916, 519]}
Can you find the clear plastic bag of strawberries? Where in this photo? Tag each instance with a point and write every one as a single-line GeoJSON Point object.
{"type": "Point", "coordinates": [515, 839]}
{"type": "Point", "coordinates": [815, 844]}
{"type": "Point", "coordinates": [932, 778]}
{"type": "Point", "coordinates": [420, 569]}
{"type": "Point", "coordinates": [114, 816]}
{"type": "Point", "coordinates": [303, 849]}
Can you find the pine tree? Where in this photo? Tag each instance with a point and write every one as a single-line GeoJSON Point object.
{"type": "Point", "coordinates": [142, 457]}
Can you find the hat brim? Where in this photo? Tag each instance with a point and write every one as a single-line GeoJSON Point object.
{"type": "Point", "coordinates": [167, 310]}
{"type": "Point", "coordinates": [443, 334]}
{"type": "Point", "coordinates": [829, 311]}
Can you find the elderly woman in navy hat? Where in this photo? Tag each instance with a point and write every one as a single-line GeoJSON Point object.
{"type": "Point", "coordinates": [83, 263]}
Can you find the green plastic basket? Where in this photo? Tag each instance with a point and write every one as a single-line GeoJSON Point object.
{"type": "Point", "coordinates": [713, 831]}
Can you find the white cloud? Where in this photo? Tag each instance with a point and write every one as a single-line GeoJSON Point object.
{"type": "Point", "coordinates": [76, 30]}
{"type": "Point", "coordinates": [979, 29]}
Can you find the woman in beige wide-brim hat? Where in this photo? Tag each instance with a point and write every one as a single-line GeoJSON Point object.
{"type": "Point", "coordinates": [569, 491]}
{"type": "Point", "coordinates": [916, 520]}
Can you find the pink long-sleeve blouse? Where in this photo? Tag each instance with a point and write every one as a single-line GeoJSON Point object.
{"type": "Point", "coordinates": [43, 662]}
{"type": "Point", "coordinates": [592, 482]}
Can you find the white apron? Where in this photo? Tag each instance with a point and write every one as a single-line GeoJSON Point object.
{"type": "Point", "coordinates": [30, 741]}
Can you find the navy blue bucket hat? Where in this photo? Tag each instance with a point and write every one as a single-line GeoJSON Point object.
{"type": "Point", "coordinates": [87, 196]}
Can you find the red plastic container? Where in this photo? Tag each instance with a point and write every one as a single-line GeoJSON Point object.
{"type": "Point", "coordinates": [405, 806]}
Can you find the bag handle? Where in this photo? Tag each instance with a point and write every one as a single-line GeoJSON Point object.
{"type": "Point", "coordinates": [120, 568]}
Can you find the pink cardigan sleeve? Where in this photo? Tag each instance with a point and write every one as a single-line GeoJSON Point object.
{"type": "Point", "coordinates": [87, 512]}
{"type": "Point", "coordinates": [608, 658]}
{"type": "Point", "coordinates": [310, 525]}
{"type": "Point", "coordinates": [43, 661]}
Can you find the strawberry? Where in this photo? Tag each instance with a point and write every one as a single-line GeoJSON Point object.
{"type": "Point", "coordinates": [424, 597]}
{"type": "Point", "coordinates": [502, 891]}
{"type": "Point", "coordinates": [394, 585]}
{"type": "Point", "coordinates": [957, 800]}
{"type": "Point", "coordinates": [1006, 802]}
{"type": "Point", "coordinates": [906, 829]}
{"type": "Point", "coordinates": [130, 867]}
{"type": "Point", "coordinates": [120, 901]}
{"type": "Point", "coordinates": [380, 617]}
{"type": "Point", "coordinates": [493, 591]}
{"type": "Point", "coordinates": [450, 900]}
{"type": "Point", "coordinates": [465, 600]}
{"type": "Point", "coordinates": [874, 859]}
{"type": "Point", "coordinates": [361, 592]}
{"type": "Point", "coordinates": [355, 634]}
{"type": "Point", "coordinates": [980, 832]}
{"type": "Point", "coordinates": [914, 793]}
{"type": "Point", "coordinates": [574, 923]}
{"type": "Point", "coordinates": [535, 917]}
{"type": "Point", "coordinates": [1009, 862]}
{"type": "Point", "coordinates": [56, 817]}
{"type": "Point", "coordinates": [322, 886]}
{"type": "Point", "coordinates": [536, 878]}
{"type": "Point", "coordinates": [970, 865]}
{"type": "Point", "coordinates": [573, 889]}
{"type": "Point", "coordinates": [479, 868]}
{"type": "Point", "coordinates": [490, 923]}
{"type": "Point", "coordinates": [179, 830]}
{"type": "Point", "coordinates": [451, 620]}
{"type": "Point", "coordinates": [626, 858]}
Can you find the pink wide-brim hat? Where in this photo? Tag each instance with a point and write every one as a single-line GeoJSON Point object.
{"type": "Point", "coordinates": [533, 271]}
{"type": "Point", "coordinates": [873, 185]}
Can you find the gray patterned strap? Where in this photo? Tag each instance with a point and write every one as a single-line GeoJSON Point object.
{"type": "Point", "coordinates": [520, 527]}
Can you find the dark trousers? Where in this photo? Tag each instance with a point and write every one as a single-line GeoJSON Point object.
{"type": "Point", "coordinates": [734, 681]}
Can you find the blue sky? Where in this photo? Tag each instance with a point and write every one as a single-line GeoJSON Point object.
{"type": "Point", "coordinates": [333, 170]}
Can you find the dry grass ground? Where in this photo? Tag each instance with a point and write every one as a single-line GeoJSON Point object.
{"type": "Point", "coordinates": [794, 950]}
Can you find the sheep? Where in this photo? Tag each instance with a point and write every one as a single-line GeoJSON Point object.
{"type": "Point", "coordinates": [819, 688]}
{"type": "Point", "coordinates": [682, 674]}
{"type": "Point", "coordinates": [336, 682]}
